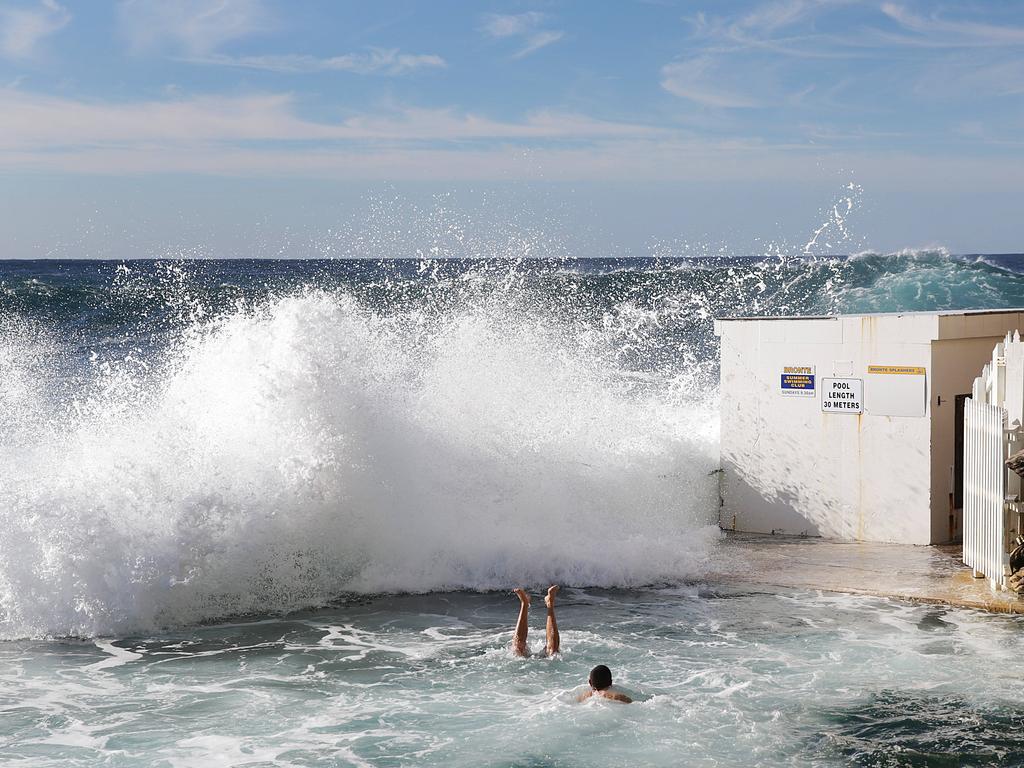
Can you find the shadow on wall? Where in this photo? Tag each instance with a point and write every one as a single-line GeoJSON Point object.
{"type": "Point", "coordinates": [775, 486]}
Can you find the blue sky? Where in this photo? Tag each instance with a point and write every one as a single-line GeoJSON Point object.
{"type": "Point", "coordinates": [128, 128]}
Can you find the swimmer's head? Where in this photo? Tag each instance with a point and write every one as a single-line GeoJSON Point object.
{"type": "Point", "coordinates": [600, 677]}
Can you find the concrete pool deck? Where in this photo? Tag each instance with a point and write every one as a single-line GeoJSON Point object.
{"type": "Point", "coordinates": [900, 571]}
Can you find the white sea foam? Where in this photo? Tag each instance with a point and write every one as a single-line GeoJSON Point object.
{"type": "Point", "coordinates": [307, 446]}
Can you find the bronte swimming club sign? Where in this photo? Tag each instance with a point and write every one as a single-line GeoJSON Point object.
{"type": "Point", "coordinates": [798, 380]}
{"type": "Point", "coordinates": [842, 395]}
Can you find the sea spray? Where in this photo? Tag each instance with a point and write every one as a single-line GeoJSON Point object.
{"type": "Point", "coordinates": [282, 453]}
{"type": "Point", "coordinates": [182, 441]}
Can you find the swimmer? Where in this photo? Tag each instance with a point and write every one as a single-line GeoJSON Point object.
{"type": "Point", "coordinates": [519, 639]}
{"type": "Point", "coordinates": [601, 685]}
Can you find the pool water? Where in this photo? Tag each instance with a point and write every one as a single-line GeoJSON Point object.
{"type": "Point", "coordinates": [722, 676]}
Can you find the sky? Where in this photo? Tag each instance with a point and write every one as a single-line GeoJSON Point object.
{"type": "Point", "coordinates": [636, 127]}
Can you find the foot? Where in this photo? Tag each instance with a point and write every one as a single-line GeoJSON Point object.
{"type": "Point", "coordinates": [549, 599]}
{"type": "Point", "coordinates": [523, 597]}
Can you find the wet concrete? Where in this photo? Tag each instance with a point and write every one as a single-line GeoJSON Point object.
{"type": "Point", "coordinates": [899, 571]}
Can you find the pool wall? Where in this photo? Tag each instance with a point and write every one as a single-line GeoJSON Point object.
{"type": "Point", "coordinates": [846, 426]}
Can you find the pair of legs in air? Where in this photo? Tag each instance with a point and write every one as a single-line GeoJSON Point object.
{"type": "Point", "coordinates": [522, 626]}
{"type": "Point", "coordinates": [600, 676]}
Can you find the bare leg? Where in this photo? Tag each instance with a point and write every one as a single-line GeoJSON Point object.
{"type": "Point", "coordinates": [522, 626]}
{"type": "Point", "coordinates": [554, 642]}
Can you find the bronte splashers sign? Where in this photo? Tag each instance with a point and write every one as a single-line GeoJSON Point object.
{"type": "Point", "coordinates": [797, 380]}
{"type": "Point", "coordinates": [842, 395]}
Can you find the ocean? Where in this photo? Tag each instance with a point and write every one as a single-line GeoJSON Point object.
{"type": "Point", "coordinates": [270, 512]}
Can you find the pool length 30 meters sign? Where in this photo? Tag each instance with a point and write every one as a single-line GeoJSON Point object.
{"type": "Point", "coordinates": [842, 395]}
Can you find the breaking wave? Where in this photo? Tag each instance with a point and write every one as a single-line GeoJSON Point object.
{"type": "Point", "coordinates": [182, 442]}
{"type": "Point", "coordinates": [307, 445]}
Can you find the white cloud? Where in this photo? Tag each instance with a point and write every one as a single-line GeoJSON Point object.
{"type": "Point", "coordinates": [941, 31]}
{"type": "Point", "coordinates": [736, 62]}
{"type": "Point", "coordinates": [22, 29]}
{"type": "Point", "coordinates": [497, 25]}
{"type": "Point", "coordinates": [699, 79]}
{"type": "Point", "coordinates": [43, 122]}
{"type": "Point", "coordinates": [753, 58]}
{"type": "Point", "coordinates": [215, 135]}
{"type": "Point", "coordinates": [219, 136]}
{"type": "Point", "coordinates": [526, 27]}
{"type": "Point", "coordinates": [195, 26]}
{"type": "Point", "coordinates": [197, 29]}
{"type": "Point", "coordinates": [774, 16]}
{"type": "Point", "coordinates": [756, 28]}
{"type": "Point", "coordinates": [385, 61]}
{"type": "Point", "coordinates": [537, 41]}
{"type": "Point", "coordinates": [663, 159]}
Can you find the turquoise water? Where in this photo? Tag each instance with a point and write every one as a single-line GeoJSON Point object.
{"type": "Point", "coordinates": [721, 676]}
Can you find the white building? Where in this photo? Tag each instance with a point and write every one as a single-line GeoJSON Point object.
{"type": "Point", "coordinates": [850, 427]}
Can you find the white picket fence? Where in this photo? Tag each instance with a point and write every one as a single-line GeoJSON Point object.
{"type": "Point", "coordinates": [992, 432]}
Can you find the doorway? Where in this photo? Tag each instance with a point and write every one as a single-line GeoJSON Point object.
{"type": "Point", "coordinates": [956, 502]}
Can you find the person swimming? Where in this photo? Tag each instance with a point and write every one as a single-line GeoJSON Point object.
{"type": "Point", "coordinates": [601, 685]}
{"type": "Point", "coordinates": [600, 676]}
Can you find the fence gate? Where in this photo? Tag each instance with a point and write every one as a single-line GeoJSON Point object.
{"type": "Point", "coordinates": [984, 490]}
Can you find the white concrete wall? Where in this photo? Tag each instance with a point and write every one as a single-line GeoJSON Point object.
{"type": "Point", "coordinates": [791, 468]}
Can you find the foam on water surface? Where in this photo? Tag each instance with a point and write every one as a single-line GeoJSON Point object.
{"type": "Point", "coordinates": [720, 677]}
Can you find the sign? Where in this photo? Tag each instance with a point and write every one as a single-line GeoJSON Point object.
{"type": "Point", "coordinates": [897, 390]}
{"type": "Point", "coordinates": [898, 370]}
{"type": "Point", "coordinates": [842, 395]}
{"type": "Point", "coordinates": [798, 380]}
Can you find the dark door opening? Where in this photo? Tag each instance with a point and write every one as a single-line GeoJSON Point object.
{"type": "Point", "coordinates": [958, 453]}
